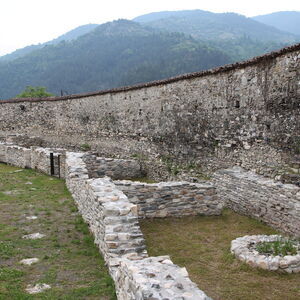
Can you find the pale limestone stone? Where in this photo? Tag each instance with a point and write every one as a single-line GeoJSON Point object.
{"type": "Point", "coordinates": [38, 288]}
{"type": "Point", "coordinates": [34, 236]}
{"type": "Point", "coordinates": [240, 248]}
{"type": "Point", "coordinates": [31, 217]}
{"type": "Point", "coordinates": [29, 261]}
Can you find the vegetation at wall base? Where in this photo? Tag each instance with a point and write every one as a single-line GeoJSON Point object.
{"type": "Point", "coordinates": [281, 247]}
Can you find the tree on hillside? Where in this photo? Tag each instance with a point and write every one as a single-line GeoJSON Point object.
{"type": "Point", "coordinates": [34, 92]}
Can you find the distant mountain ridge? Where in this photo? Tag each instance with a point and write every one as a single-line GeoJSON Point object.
{"type": "Point", "coordinates": [206, 25]}
{"type": "Point", "coordinates": [152, 47]}
{"type": "Point", "coordinates": [114, 54]}
{"type": "Point", "coordinates": [70, 35]}
{"type": "Point", "coordinates": [238, 36]}
{"type": "Point", "coordinates": [288, 21]}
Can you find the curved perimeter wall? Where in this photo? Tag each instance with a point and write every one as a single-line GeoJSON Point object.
{"type": "Point", "coordinates": [246, 114]}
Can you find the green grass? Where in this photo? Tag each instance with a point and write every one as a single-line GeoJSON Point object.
{"type": "Point", "coordinates": [202, 245]}
{"type": "Point", "coordinates": [75, 270]}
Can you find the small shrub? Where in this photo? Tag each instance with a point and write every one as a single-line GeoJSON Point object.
{"type": "Point", "coordinates": [85, 147]}
{"type": "Point", "coordinates": [280, 247]}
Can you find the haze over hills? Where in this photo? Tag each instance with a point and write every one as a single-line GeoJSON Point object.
{"type": "Point", "coordinates": [70, 35]}
{"type": "Point", "coordinates": [206, 25]}
{"type": "Point", "coordinates": [238, 36]}
{"type": "Point", "coordinates": [113, 54]}
{"type": "Point", "coordinates": [288, 21]}
{"type": "Point", "coordinates": [155, 46]}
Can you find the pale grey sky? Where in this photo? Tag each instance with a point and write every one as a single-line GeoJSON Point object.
{"type": "Point", "coordinates": [26, 22]}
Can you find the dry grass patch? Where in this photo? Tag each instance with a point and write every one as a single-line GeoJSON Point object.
{"type": "Point", "coordinates": [69, 260]}
{"type": "Point", "coordinates": [202, 245]}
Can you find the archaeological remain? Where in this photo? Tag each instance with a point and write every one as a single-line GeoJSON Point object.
{"type": "Point", "coordinates": [227, 137]}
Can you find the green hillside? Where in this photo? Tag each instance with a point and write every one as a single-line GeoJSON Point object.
{"type": "Point", "coordinates": [114, 54]}
{"type": "Point", "coordinates": [237, 35]}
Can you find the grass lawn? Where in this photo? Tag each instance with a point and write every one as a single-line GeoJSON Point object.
{"type": "Point", "coordinates": [69, 260]}
{"type": "Point", "coordinates": [201, 244]}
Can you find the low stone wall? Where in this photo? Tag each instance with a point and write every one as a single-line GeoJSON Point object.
{"type": "Point", "coordinates": [114, 168]}
{"type": "Point", "coordinates": [40, 160]}
{"type": "Point", "coordinates": [244, 249]}
{"type": "Point", "coordinates": [2, 152]}
{"type": "Point", "coordinates": [172, 198]}
{"type": "Point", "coordinates": [156, 278]}
{"type": "Point", "coordinates": [34, 157]}
{"type": "Point", "coordinates": [18, 156]}
{"type": "Point", "coordinates": [250, 194]}
{"type": "Point", "coordinates": [113, 220]}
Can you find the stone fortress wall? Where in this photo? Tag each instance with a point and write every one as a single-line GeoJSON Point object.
{"type": "Point", "coordinates": [244, 114]}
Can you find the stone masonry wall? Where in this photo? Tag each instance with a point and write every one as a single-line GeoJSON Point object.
{"type": "Point", "coordinates": [236, 114]}
{"type": "Point", "coordinates": [114, 222]}
{"type": "Point", "coordinates": [113, 168]}
{"type": "Point", "coordinates": [250, 194]}
{"type": "Point", "coordinates": [34, 157]}
{"type": "Point", "coordinates": [18, 156]}
{"type": "Point", "coordinates": [175, 199]}
{"type": "Point", "coordinates": [40, 160]}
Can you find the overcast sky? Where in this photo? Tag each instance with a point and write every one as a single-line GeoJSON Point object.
{"type": "Point", "coordinates": [26, 22]}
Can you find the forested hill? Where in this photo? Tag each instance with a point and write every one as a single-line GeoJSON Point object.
{"type": "Point", "coordinates": [209, 26]}
{"type": "Point", "coordinates": [113, 54]}
{"type": "Point", "coordinates": [238, 36]}
{"type": "Point", "coordinates": [288, 21]}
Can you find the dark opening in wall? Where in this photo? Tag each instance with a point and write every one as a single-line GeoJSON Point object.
{"type": "Point", "coordinates": [22, 107]}
{"type": "Point", "coordinates": [268, 126]}
{"type": "Point", "coordinates": [237, 104]}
